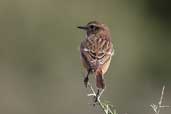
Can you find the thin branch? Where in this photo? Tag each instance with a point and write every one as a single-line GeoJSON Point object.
{"type": "Point", "coordinates": [158, 107]}
{"type": "Point", "coordinates": [105, 107]}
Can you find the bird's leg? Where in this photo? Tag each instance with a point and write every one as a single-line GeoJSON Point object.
{"type": "Point", "coordinates": [98, 94]}
{"type": "Point", "coordinates": [86, 78]}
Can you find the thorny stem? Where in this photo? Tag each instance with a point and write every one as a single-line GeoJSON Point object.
{"type": "Point", "coordinates": [157, 107]}
{"type": "Point", "coordinates": [161, 100]}
{"type": "Point", "coordinates": [106, 109]}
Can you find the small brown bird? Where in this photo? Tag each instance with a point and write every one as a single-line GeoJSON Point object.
{"type": "Point", "coordinates": [96, 52]}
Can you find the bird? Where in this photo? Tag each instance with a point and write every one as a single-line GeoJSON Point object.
{"type": "Point", "coordinates": [96, 51]}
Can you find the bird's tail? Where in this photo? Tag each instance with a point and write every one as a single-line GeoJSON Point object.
{"type": "Point", "coordinates": [99, 80]}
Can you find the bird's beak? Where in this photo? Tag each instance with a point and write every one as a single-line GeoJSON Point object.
{"type": "Point", "coordinates": [83, 27]}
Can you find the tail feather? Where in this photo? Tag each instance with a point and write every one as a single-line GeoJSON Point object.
{"type": "Point", "coordinates": [99, 80]}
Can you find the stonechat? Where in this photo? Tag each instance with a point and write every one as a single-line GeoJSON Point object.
{"type": "Point", "coordinates": [96, 51]}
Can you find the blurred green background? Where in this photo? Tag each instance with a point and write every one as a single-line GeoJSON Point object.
{"type": "Point", "coordinates": [40, 68]}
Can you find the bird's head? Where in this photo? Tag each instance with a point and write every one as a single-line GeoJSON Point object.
{"type": "Point", "coordinates": [94, 27]}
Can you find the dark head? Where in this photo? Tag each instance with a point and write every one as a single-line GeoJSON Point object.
{"type": "Point", "coordinates": [94, 27]}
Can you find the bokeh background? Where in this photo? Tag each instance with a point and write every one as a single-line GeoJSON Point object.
{"type": "Point", "coordinates": [40, 68]}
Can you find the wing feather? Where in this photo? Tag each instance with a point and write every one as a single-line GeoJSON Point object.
{"type": "Point", "coordinates": [96, 51]}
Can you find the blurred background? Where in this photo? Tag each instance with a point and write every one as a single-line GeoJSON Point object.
{"type": "Point", "coordinates": [40, 68]}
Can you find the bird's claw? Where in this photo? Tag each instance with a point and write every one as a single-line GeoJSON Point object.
{"type": "Point", "coordinates": [97, 99]}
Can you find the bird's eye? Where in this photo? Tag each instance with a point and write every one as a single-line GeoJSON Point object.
{"type": "Point", "coordinates": [92, 26]}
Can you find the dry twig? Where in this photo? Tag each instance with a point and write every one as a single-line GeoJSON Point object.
{"type": "Point", "coordinates": [157, 107]}
{"type": "Point", "coordinates": [107, 108]}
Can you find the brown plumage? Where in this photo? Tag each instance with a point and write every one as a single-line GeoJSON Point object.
{"type": "Point", "coordinates": [96, 51]}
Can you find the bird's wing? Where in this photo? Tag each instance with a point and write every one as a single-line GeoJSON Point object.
{"type": "Point", "coordinates": [96, 51]}
{"type": "Point", "coordinates": [105, 50]}
{"type": "Point", "coordinates": [87, 53]}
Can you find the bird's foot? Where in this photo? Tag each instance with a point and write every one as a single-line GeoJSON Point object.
{"type": "Point", "coordinates": [96, 99]}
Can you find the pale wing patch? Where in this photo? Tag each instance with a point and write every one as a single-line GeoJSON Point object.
{"type": "Point", "coordinates": [85, 49]}
{"type": "Point", "coordinates": [110, 53]}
